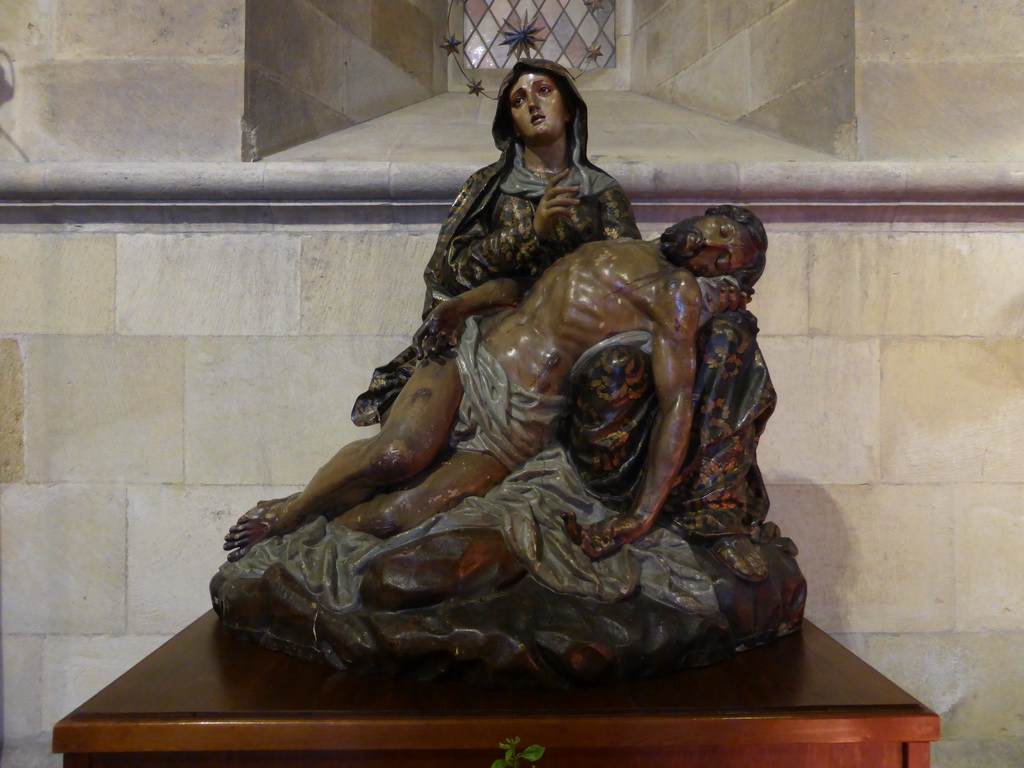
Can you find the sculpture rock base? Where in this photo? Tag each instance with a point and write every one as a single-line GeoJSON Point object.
{"type": "Point", "coordinates": [525, 634]}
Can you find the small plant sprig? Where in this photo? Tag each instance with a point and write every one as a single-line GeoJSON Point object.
{"type": "Point", "coordinates": [511, 759]}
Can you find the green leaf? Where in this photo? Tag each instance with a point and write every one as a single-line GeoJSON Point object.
{"type": "Point", "coordinates": [533, 754]}
{"type": "Point", "coordinates": [500, 764]}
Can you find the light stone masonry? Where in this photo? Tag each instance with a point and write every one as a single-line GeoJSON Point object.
{"type": "Point", "coordinates": [953, 410]}
{"type": "Point", "coordinates": [104, 409]}
{"type": "Point", "coordinates": [878, 558]}
{"type": "Point", "coordinates": [818, 113]}
{"type": "Point", "coordinates": [365, 285]}
{"type": "Point", "coordinates": [781, 295]}
{"type": "Point", "coordinates": [825, 29]}
{"type": "Point", "coordinates": [885, 280]}
{"type": "Point", "coordinates": [180, 110]}
{"type": "Point", "coordinates": [77, 666]}
{"type": "Point", "coordinates": [375, 85]}
{"type": "Point", "coordinates": [80, 528]}
{"type": "Point", "coordinates": [825, 429]}
{"type": "Point", "coordinates": [727, 20]}
{"type": "Point", "coordinates": [728, 67]}
{"type": "Point", "coordinates": [54, 284]}
{"type": "Point", "coordinates": [672, 39]}
{"type": "Point", "coordinates": [167, 585]}
{"type": "Point", "coordinates": [22, 678]}
{"type": "Point", "coordinates": [207, 285]}
{"type": "Point", "coordinates": [989, 525]}
{"type": "Point", "coordinates": [293, 42]}
{"type": "Point", "coordinates": [941, 110]}
{"type": "Point", "coordinates": [918, 30]}
{"type": "Point", "coordinates": [973, 680]}
{"type": "Point", "coordinates": [12, 412]}
{"type": "Point", "coordinates": [274, 410]}
{"type": "Point", "coordinates": [144, 29]}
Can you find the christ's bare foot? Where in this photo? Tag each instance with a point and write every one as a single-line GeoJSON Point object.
{"type": "Point", "coordinates": [267, 518]}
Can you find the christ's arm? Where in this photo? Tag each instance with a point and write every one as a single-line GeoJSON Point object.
{"type": "Point", "coordinates": [675, 312]}
{"type": "Point", "coordinates": [443, 326]}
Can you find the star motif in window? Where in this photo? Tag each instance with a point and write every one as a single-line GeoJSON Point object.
{"type": "Point", "coordinates": [451, 44]}
{"type": "Point", "coordinates": [521, 35]}
{"type": "Point", "coordinates": [475, 89]}
{"type": "Point", "coordinates": [594, 5]}
{"type": "Point", "coordinates": [594, 53]}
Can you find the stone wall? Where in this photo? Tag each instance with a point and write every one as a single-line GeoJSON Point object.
{"type": "Point", "coordinates": [316, 66]}
{"type": "Point", "coordinates": [159, 377]}
{"type": "Point", "coordinates": [939, 82]}
{"type": "Point", "coordinates": [129, 80]}
{"type": "Point", "coordinates": [860, 79]}
{"type": "Point", "coordinates": [782, 66]}
{"type": "Point", "coordinates": [121, 79]}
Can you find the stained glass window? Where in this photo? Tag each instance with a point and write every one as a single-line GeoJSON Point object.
{"type": "Point", "coordinates": [569, 29]}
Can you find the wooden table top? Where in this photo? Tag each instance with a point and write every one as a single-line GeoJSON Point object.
{"type": "Point", "coordinates": [222, 693]}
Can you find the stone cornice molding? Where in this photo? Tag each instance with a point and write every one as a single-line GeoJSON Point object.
{"type": "Point", "coordinates": [782, 185]}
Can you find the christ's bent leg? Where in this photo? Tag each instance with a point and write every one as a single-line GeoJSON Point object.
{"type": "Point", "coordinates": [464, 474]}
{"type": "Point", "coordinates": [416, 431]}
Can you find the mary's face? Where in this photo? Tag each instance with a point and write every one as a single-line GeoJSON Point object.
{"type": "Point", "coordinates": [539, 112]}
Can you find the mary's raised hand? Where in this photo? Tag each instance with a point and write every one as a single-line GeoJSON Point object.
{"type": "Point", "coordinates": [556, 203]}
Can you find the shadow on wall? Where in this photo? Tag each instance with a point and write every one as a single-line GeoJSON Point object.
{"type": "Point", "coordinates": [6, 94]}
{"type": "Point", "coordinates": [809, 515]}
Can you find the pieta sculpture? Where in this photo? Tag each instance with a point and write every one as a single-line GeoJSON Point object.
{"type": "Point", "coordinates": [564, 488]}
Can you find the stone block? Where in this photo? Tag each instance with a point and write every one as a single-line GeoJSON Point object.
{"type": "Point", "coordinates": [175, 538]}
{"type": "Point", "coordinates": [207, 285]}
{"type": "Point", "coordinates": [952, 410]}
{"type": "Point", "coordinates": [930, 667]}
{"type": "Point", "coordinates": [672, 39]}
{"type": "Point", "coordinates": [912, 30]}
{"type": "Point", "coordinates": [80, 528]}
{"type": "Point", "coordinates": [87, 29]}
{"type": "Point", "coordinates": [407, 37]}
{"type": "Point", "coordinates": [34, 752]}
{"type": "Point", "coordinates": [726, 20]}
{"type": "Point", "coordinates": [645, 10]}
{"type": "Point", "coordinates": [25, 31]}
{"type": "Point", "coordinates": [131, 110]}
{"type": "Point", "coordinates": [104, 409]}
{"type": "Point", "coordinates": [353, 15]}
{"type": "Point", "coordinates": [946, 111]}
{"type": "Point", "coordinates": [718, 84]}
{"type": "Point", "coordinates": [973, 680]}
{"type": "Point", "coordinates": [820, 114]}
{"type": "Point", "coordinates": [989, 753]}
{"type": "Point", "coordinates": [57, 284]}
{"type": "Point", "coordinates": [989, 526]}
{"type": "Point", "coordinates": [363, 285]}
{"type": "Point", "coordinates": [872, 284]}
{"type": "Point", "coordinates": [279, 116]}
{"type": "Point", "coordinates": [374, 84]}
{"type": "Point", "coordinates": [717, 141]}
{"type": "Point", "coordinates": [274, 410]}
{"type": "Point", "coordinates": [876, 558]}
{"type": "Point", "coordinates": [780, 298]}
{"type": "Point", "coordinates": [22, 681]}
{"type": "Point", "coordinates": [825, 428]}
{"type": "Point", "coordinates": [76, 667]}
{"type": "Point", "coordinates": [12, 412]}
{"type": "Point", "coordinates": [804, 39]}
{"type": "Point", "coordinates": [297, 44]}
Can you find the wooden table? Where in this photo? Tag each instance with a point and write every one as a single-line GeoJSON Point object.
{"type": "Point", "coordinates": [204, 699]}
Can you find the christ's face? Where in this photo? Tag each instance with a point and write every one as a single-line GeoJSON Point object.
{"type": "Point", "coordinates": [727, 247]}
